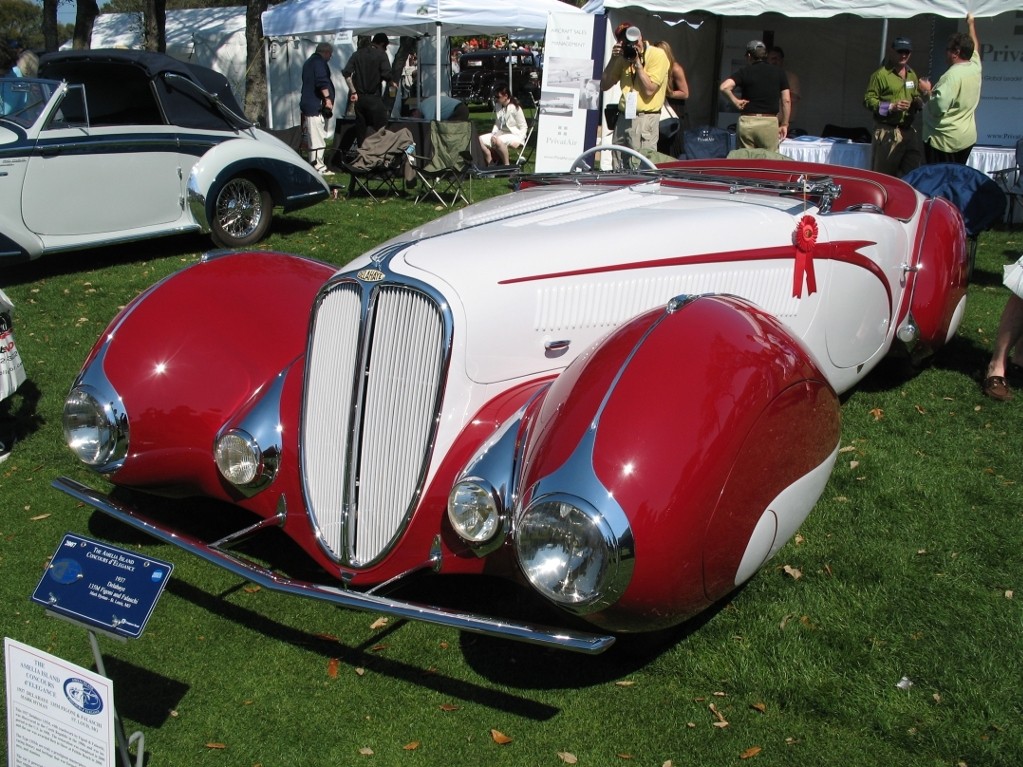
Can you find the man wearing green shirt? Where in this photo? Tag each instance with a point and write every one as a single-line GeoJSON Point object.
{"type": "Point", "coordinates": [893, 97]}
{"type": "Point", "coordinates": [950, 125]}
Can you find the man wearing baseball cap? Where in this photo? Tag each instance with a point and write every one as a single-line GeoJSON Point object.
{"type": "Point", "coordinates": [765, 103]}
{"type": "Point", "coordinates": [893, 96]}
{"type": "Point", "coordinates": [366, 73]}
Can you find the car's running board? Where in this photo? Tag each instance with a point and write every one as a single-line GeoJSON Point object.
{"type": "Point", "coordinates": [539, 635]}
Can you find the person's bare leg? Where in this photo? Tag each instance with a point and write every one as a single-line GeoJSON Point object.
{"type": "Point", "coordinates": [1010, 330]}
{"type": "Point", "coordinates": [502, 151]}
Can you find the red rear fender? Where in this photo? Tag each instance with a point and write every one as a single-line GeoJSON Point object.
{"type": "Point", "coordinates": [939, 282]}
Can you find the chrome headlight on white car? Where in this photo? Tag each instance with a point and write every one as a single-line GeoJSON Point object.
{"type": "Point", "coordinates": [569, 552]}
{"type": "Point", "coordinates": [96, 427]}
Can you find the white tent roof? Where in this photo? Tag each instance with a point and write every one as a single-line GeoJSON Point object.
{"type": "Point", "coordinates": [817, 9]}
{"type": "Point", "coordinates": [408, 17]}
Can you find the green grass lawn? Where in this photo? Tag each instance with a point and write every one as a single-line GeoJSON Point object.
{"type": "Point", "coordinates": [911, 567]}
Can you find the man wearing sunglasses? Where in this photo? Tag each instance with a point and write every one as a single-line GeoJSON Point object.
{"type": "Point", "coordinates": [893, 96]}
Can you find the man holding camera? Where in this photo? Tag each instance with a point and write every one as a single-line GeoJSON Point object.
{"type": "Point", "coordinates": [766, 100]}
{"type": "Point", "coordinates": [317, 103]}
{"type": "Point", "coordinates": [641, 71]}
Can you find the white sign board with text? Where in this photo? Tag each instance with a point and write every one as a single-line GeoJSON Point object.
{"type": "Point", "coordinates": [58, 714]}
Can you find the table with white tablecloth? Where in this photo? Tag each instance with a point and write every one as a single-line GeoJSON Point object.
{"type": "Point", "coordinates": [828, 151]}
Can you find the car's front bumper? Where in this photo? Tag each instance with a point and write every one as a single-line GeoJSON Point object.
{"type": "Point", "coordinates": [339, 596]}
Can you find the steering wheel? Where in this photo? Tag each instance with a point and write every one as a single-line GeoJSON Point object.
{"type": "Point", "coordinates": [579, 164]}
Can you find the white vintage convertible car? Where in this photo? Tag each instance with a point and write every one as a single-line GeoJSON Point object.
{"type": "Point", "coordinates": [618, 390]}
{"type": "Point", "coordinates": [108, 146]}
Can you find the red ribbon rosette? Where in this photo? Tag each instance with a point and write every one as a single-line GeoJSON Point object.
{"type": "Point", "coordinates": [805, 239]}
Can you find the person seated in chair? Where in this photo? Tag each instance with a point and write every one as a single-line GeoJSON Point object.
{"type": "Point", "coordinates": [509, 127]}
{"type": "Point", "coordinates": [450, 109]}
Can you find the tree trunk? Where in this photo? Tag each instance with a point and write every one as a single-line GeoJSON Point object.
{"type": "Point", "coordinates": [88, 10]}
{"type": "Point", "coordinates": [255, 77]}
{"type": "Point", "coordinates": [50, 41]}
{"type": "Point", "coordinates": [154, 25]}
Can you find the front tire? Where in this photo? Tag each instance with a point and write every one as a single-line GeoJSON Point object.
{"type": "Point", "coordinates": [242, 210]}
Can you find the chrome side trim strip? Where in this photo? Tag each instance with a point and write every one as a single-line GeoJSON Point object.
{"type": "Point", "coordinates": [575, 641]}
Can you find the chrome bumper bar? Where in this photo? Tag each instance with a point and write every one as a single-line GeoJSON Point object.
{"type": "Point", "coordinates": [576, 641]}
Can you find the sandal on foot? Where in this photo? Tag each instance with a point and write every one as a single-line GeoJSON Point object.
{"type": "Point", "coordinates": [996, 387]}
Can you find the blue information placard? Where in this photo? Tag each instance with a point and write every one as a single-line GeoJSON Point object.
{"type": "Point", "coordinates": [102, 585]}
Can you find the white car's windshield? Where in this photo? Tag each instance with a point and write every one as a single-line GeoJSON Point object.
{"type": "Point", "coordinates": [22, 99]}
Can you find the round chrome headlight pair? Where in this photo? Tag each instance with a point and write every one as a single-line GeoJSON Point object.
{"type": "Point", "coordinates": [95, 428]}
{"type": "Point", "coordinates": [569, 552]}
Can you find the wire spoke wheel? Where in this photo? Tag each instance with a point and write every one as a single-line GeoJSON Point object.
{"type": "Point", "coordinates": [242, 213]}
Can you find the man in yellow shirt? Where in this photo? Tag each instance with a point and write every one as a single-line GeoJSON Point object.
{"type": "Point", "coordinates": [641, 71]}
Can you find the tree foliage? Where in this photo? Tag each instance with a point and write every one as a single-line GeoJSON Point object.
{"type": "Point", "coordinates": [20, 24]}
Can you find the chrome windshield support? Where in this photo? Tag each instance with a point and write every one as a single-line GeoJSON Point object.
{"type": "Point", "coordinates": [575, 641]}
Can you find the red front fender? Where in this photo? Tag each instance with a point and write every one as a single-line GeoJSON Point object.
{"type": "Point", "coordinates": [708, 421]}
{"type": "Point", "coordinates": [230, 325]}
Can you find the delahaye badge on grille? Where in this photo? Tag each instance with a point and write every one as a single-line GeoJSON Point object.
{"type": "Point", "coordinates": [370, 275]}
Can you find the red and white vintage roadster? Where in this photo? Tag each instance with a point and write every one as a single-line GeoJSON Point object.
{"type": "Point", "coordinates": [621, 390]}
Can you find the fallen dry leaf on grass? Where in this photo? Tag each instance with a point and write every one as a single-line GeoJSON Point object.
{"type": "Point", "coordinates": [411, 746]}
{"type": "Point", "coordinates": [379, 623]}
{"type": "Point", "coordinates": [793, 572]}
{"type": "Point", "coordinates": [721, 721]}
{"type": "Point", "coordinates": [760, 707]}
{"type": "Point", "coordinates": [919, 409]}
{"type": "Point", "coordinates": [332, 665]}
{"type": "Point", "coordinates": [877, 412]}
{"type": "Point", "coordinates": [218, 746]}
{"type": "Point", "coordinates": [624, 683]}
{"type": "Point", "coordinates": [38, 517]}
{"type": "Point", "coordinates": [448, 707]}
{"type": "Point", "coordinates": [500, 738]}
{"type": "Point", "coordinates": [750, 752]}
{"type": "Point", "coordinates": [366, 751]}
{"type": "Point", "coordinates": [567, 757]}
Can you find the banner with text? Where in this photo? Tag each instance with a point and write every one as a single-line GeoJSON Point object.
{"type": "Point", "coordinates": [570, 93]}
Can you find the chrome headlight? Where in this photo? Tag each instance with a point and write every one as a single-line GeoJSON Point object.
{"type": "Point", "coordinates": [566, 549]}
{"type": "Point", "coordinates": [241, 461]}
{"type": "Point", "coordinates": [473, 511]}
{"type": "Point", "coordinates": [95, 428]}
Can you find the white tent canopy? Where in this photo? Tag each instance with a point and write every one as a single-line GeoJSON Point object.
{"type": "Point", "coordinates": [409, 17]}
{"type": "Point", "coordinates": [817, 9]}
{"type": "Point", "coordinates": [412, 18]}
{"type": "Point", "coordinates": [833, 46]}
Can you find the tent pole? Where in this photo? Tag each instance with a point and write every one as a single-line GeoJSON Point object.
{"type": "Point", "coordinates": [436, 53]}
{"type": "Point", "coordinates": [269, 94]}
{"type": "Point", "coordinates": [884, 38]}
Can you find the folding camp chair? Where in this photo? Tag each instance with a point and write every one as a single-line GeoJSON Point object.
{"type": "Point", "coordinates": [526, 150]}
{"type": "Point", "coordinates": [449, 165]}
{"type": "Point", "coordinates": [380, 166]}
{"type": "Point", "coordinates": [978, 197]}
{"type": "Point", "coordinates": [1011, 180]}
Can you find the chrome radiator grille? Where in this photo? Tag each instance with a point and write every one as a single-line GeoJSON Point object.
{"type": "Point", "coordinates": [373, 380]}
